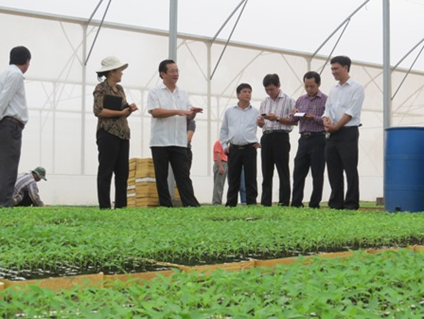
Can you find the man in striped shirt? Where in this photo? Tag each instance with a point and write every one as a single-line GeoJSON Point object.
{"type": "Point", "coordinates": [276, 126]}
{"type": "Point", "coordinates": [26, 190]}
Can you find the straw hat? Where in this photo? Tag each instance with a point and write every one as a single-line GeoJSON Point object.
{"type": "Point", "coordinates": [111, 63]}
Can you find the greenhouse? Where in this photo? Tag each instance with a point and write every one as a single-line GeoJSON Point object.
{"type": "Point", "coordinates": [72, 260]}
{"type": "Point", "coordinates": [67, 49]}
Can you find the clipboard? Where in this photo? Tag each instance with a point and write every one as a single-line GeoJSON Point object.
{"type": "Point", "coordinates": [112, 102]}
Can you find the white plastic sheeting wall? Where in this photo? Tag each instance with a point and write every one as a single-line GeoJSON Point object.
{"type": "Point", "coordinates": [61, 132]}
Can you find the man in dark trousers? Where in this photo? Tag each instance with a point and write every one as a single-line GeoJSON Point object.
{"type": "Point", "coordinates": [238, 138]}
{"type": "Point", "coordinates": [342, 118]}
{"type": "Point", "coordinates": [275, 142]}
{"type": "Point", "coordinates": [311, 150]}
{"type": "Point", "coordinates": [170, 108]}
{"type": "Point", "coordinates": [13, 117]}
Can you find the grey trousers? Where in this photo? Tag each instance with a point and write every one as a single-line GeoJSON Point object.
{"type": "Point", "coordinates": [10, 154]}
{"type": "Point", "coordinates": [218, 183]}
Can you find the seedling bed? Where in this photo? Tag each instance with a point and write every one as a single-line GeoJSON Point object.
{"type": "Point", "coordinates": [382, 285]}
{"type": "Point", "coordinates": [53, 241]}
{"type": "Point", "coordinates": [25, 273]}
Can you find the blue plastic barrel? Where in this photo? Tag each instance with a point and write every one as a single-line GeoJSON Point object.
{"type": "Point", "coordinates": [404, 169]}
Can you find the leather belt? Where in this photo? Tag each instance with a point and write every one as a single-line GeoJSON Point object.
{"type": "Point", "coordinates": [309, 134]}
{"type": "Point", "coordinates": [350, 127]}
{"type": "Point", "coordinates": [12, 119]}
{"type": "Point", "coordinates": [242, 147]}
{"type": "Point", "coordinates": [275, 131]}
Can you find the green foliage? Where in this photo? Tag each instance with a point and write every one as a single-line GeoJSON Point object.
{"type": "Point", "coordinates": [55, 239]}
{"type": "Point", "coordinates": [363, 286]}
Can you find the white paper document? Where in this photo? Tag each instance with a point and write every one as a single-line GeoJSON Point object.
{"type": "Point", "coordinates": [299, 114]}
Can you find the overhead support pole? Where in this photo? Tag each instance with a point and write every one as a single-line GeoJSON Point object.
{"type": "Point", "coordinates": [337, 29]}
{"type": "Point", "coordinates": [94, 12]}
{"type": "Point", "coordinates": [173, 29]}
{"type": "Point", "coordinates": [412, 65]}
{"type": "Point", "coordinates": [387, 85]}
{"type": "Point", "coordinates": [406, 55]}
{"type": "Point", "coordinates": [98, 30]}
{"type": "Point", "coordinates": [231, 34]}
{"type": "Point", "coordinates": [228, 19]}
{"type": "Point", "coordinates": [407, 73]}
{"type": "Point", "coordinates": [334, 47]}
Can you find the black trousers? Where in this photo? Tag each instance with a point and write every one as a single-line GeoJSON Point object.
{"type": "Point", "coordinates": [178, 158]}
{"type": "Point", "coordinates": [341, 154]}
{"type": "Point", "coordinates": [275, 151]}
{"type": "Point", "coordinates": [10, 154]}
{"type": "Point", "coordinates": [113, 159]}
{"type": "Point", "coordinates": [239, 157]}
{"type": "Point", "coordinates": [310, 154]}
{"type": "Point", "coordinates": [190, 157]}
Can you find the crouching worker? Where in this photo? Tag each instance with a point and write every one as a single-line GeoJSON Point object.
{"type": "Point", "coordinates": [26, 189]}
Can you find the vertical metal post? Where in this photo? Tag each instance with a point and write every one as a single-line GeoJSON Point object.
{"type": "Point", "coordinates": [83, 92]}
{"type": "Point", "coordinates": [173, 27]}
{"type": "Point", "coordinates": [387, 85]}
{"type": "Point", "coordinates": [387, 90]}
{"type": "Point", "coordinates": [55, 89]}
{"type": "Point", "coordinates": [209, 88]}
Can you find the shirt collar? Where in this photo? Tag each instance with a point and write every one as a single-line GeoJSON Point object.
{"type": "Point", "coordinates": [238, 107]}
{"type": "Point", "coordinates": [349, 82]}
{"type": "Point", "coordinates": [16, 68]}
{"type": "Point", "coordinates": [163, 86]}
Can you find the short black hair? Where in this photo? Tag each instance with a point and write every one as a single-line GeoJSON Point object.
{"type": "Point", "coordinates": [19, 55]}
{"type": "Point", "coordinates": [271, 79]}
{"type": "Point", "coordinates": [100, 75]}
{"type": "Point", "coordinates": [243, 86]}
{"type": "Point", "coordinates": [312, 75]}
{"type": "Point", "coordinates": [342, 60]}
{"type": "Point", "coordinates": [163, 66]}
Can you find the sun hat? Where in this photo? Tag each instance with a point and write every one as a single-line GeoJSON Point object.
{"type": "Point", "coordinates": [40, 171]}
{"type": "Point", "coordinates": [111, 63]}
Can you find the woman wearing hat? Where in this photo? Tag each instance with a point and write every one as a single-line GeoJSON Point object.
{"type": "Point", "coordinates": [113, 132]}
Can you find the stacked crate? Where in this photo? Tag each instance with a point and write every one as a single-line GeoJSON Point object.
{"type": "Point", "coordinates": [142, 184]}
{"type": "Point", "coordinates": [141, 191]}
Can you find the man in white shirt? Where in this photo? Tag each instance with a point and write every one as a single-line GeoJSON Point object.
{"type": "Point", "coordinates": [26, 189]}
{"type": "Point", "coordinates": [13, 117]}
{"type": "Point", "coordinates": [342, 117]}
{"type": "Point", "coordinates": [239, 140]}
{"type": "Point", "coordinates": [170, 108]}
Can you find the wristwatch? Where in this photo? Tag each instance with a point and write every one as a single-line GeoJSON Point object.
{"type": "Point", "coordinates": [278, 119]}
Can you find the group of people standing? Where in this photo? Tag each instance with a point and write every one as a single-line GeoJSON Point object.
{"type": "Point", "coordinates": [328, 128]}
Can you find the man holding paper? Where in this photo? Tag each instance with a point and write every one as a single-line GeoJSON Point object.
{"type": "Point", "coordinates": [342, 117]}
{"type": "Point", "coordinates": [310, 153]}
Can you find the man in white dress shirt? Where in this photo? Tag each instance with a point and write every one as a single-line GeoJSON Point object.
{"type": "Point", "coordinates": [170, 108]}
{"type": "Point", "coordinates": [13, 117]}
{"type": "Point", "coordinates": [239, 140]}
{"type": "Point", "coordinates": [342, 117]}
